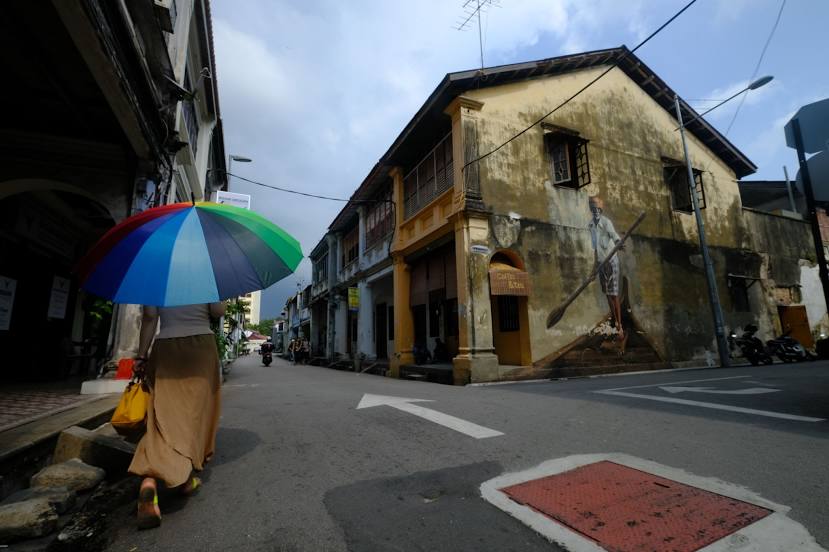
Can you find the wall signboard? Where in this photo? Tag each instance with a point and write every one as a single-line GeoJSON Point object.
{"type": "Point", "coordinates": [509, 282]}
{"type": "Point", "coordinates": [59, 298]}
{"type": "Point", "coordinates": [7, 289]}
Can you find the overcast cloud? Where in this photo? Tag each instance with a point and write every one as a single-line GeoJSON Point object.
{"type": "Point", "coordinates": [315, 91]}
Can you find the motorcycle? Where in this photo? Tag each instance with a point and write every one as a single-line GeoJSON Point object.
{"type": "Point", "coordinates": [750, 346]}
{"type": "Point", "coordinates": [267, 358]}
{"type": "Point", "coordinates": [788, 349]}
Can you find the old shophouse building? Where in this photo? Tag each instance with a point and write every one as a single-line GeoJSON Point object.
{"type": "Point", "coordinates": [496, 230]}
{"type": "Point", "coordinates": [108, 108]}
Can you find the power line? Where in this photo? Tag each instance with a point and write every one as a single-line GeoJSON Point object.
{"type": "Point", "coordinates": [757, 67]}
{"type": "Point", "coordinates": [315, 196]}
{"type": "Point", "coordinates": [585, 87]}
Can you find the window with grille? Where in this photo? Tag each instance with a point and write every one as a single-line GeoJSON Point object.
{"type": "Point", "coordinates": [569, 160]}
{"type": "Point", "coordinates": [350, 247]}
{"type": "Point", "coordinates": [321, 269]}
{"type": "Point", "coordinates": [379, 221]}
{"type": "Point", "coordinates": [508, 313]}
{"type": "Point", "coordinates": [676, 177]}
{"type": "Point", "coordinates": [432, 176]}
{"type": "Point", "coordinates": [188, 110]}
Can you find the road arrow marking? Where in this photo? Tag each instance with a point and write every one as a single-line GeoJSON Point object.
{"type": "Point", "coordinates": [404, 404]}
{"type": "Point", "coordinates": [749, 391]}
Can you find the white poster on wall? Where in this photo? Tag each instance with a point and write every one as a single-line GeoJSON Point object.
{"type": "Point", "coordinates": [59, 298]}
{"type": "Point", "coordinates": [7, 289]}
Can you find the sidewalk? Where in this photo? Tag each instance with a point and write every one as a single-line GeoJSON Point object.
{"type": "Point", "coordinates": [31, 420]}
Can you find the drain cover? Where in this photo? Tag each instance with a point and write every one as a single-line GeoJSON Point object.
{"type": "Point", "coordinates": [625, 509]}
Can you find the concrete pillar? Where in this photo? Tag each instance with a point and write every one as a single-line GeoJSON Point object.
{"type": "Point", "coordinates": [341, 326]}
{"type": "Point", "coordinates": [365, 322]}
{"type": "Point", "coordinates": [127, 322]}
{"type": "Point", "coordinates": [403, 322]}
{"type": "Point", "coordinates": [476, 360]}
{"type": "Point", "coordinates": [332, 306]}
{"type": "Point", "coordinates": [361, 233]}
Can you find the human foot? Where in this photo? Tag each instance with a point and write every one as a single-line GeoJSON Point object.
{"type": "Point", "coordinates": [149, 515]}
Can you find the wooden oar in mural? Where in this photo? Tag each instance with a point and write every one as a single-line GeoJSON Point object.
{"type": "Point", "coordinates": [556, 315]}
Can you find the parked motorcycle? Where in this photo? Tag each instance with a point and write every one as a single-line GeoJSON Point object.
{"type": "Point", "coordinates": [788, 349]}
{"type": "Point", "coordinates": [750, 346]}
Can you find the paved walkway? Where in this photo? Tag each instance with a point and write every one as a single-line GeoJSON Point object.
{"type": "Point", "coordinates": [23, 404]}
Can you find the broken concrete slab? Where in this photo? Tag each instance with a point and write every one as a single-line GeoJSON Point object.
{"type": "Point", "coordinates": [112, 454]}
{"type": "Point", "coordinates": [61, 498]}
{"type": "Point", "coordinates": [73, 473]}
{"type": "Point", "coordinates": [28, 519]}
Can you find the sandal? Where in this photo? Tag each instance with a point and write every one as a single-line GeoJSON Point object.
{"type": "Point", "coordinates": [149, 515]}
{"type": "Point", "coordinates": [191, 487]}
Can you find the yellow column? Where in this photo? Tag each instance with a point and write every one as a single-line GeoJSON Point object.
{"type": "Point", "coordinates": [403, 322]}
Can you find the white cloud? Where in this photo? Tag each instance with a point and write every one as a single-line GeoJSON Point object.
{"type": "Point", "coordinates": [315, 92]}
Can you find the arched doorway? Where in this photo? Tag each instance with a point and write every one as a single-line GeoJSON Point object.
{"type": "Point", "coordinates": [509, 288]}
{"type": "Point", "coordinates": [45, 320]}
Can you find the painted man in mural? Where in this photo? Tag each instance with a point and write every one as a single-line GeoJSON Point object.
{"type": "Point", "coordinates": [604, 237]}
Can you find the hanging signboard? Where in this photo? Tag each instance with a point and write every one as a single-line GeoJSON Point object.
{"type": "Point", "coordinates": [353, 298]}
{"type": "Point", "coordinates": [59, 298]}
{"type": "Point", "coordinates": [509, 282]}
{"type": "Point", "coordinates": [234, 199]}
{"type": "Point", "coordinates": [7, 289]}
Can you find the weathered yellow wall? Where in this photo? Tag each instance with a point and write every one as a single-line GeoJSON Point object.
{"type": "Point", "coordinates": [547, 225]}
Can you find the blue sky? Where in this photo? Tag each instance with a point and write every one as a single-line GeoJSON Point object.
{"type": "Point", "coordinates": [316, 90]}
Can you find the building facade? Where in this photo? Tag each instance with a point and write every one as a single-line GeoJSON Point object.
{"type": "Point", "coordinates": [497, 229]}
{"type": "Point", "coordinates": [94, 131]}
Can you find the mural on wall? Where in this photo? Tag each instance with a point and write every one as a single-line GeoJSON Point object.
{"type": "Point", "coordinates": [617, 331]}
{"type": "Point", "coordinates": [605, 240]}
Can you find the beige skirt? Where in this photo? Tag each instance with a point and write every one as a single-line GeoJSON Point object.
{"type": "Point", "coordinates": [183, 413]}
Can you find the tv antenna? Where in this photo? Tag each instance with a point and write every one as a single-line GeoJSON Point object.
{"type": "Point", "coordinates": [474, 9]}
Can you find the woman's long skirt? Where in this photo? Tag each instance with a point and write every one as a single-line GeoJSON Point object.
{"type": "Point", "coordinates": [183, 412]}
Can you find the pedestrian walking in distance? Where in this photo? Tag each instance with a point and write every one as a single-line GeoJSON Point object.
{"type": "Point", "coordinates": [183, 415]}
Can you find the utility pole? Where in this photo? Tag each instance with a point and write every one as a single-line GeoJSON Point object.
{"type": "Point", "coordinates": [713, 292]}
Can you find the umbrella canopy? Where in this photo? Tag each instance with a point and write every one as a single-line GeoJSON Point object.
{"type": "Point", "coordinates": [188, 253]}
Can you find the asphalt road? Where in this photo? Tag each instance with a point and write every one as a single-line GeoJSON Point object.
{"type": "Point", "coordinates": [299, 467]}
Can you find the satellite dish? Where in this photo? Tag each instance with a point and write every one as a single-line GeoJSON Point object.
{"type": "Point", "coordinates": [819, 173]}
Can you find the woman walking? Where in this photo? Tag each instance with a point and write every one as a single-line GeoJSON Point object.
{"type": "Point", "coordinates": [183, 413]}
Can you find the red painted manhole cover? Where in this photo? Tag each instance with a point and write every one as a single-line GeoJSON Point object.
{"type": "Point", "coordinates": [624, 509]}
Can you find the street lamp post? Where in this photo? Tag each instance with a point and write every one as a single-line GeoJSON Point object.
{"type": "Point", "coordinates": [230, 159]}
{"type": "Point", "coordinates": [713, 293]}
{"type": "Point", "coordinates": [239, 315]}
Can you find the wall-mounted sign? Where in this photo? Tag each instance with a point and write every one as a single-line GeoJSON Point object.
{"type": "Point", "coordinates": [7, 289]}
{"type": "Point", "coordinates": [353, 298]}
{"type": "Point", "coordinates": [59, 298]}
{"type": "Point", "coordinates": [482, 249]}
{"type": "Point", "coordinates": [234, 199]}
{"type": "Point", "coordinates": [509, 282]}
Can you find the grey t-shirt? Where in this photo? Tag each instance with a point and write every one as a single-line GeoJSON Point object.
{"type": "Point", "coordinates": [185, 320]}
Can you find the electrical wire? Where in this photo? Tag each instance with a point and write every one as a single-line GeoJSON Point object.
{"type": "Point", "coordinates": [315, 196]}
{"type": "Point", "coordinates": [757, 67]}
{"type": "Point", "coordinates": [585, 87]}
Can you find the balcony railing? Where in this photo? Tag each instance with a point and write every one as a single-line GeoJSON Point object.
{"type": "Point", "coordinates": [430, 178]}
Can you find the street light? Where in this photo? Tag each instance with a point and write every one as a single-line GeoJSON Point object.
{"type": "Point", "coordinates": [230, 159]}
{"type": "Point", "coordinates": [713, 293]}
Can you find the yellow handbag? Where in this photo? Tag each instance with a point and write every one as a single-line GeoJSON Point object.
{"type": "Point", "coordinates": [130, 415]}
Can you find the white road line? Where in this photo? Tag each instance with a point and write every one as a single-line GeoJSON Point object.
{"type": "Point", "coordinates": [676, 383]}
{"type": "Point", "coordinates": [714, 406]}
{"type": "Point", "coordinates": [711, 390]}
{"type": "Point", "coordinates": [446, 420]}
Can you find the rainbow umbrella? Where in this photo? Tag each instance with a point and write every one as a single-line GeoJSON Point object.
{"type": "Point", "coordinates": [188, 253]}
